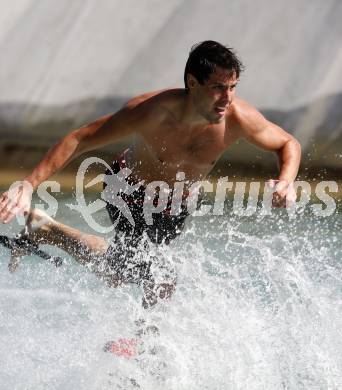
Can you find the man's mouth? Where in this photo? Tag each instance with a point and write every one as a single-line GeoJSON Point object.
{"type": "Point", "coordinates": [220, 110]}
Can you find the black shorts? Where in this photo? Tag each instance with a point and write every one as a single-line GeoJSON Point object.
{"type": "Point", "coordinates": [128, 252]}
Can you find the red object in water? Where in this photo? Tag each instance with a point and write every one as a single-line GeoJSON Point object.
{"type": "Point", "coordinates": [122, 347]}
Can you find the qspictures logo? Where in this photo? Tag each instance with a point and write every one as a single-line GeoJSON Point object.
{"type": "Point", "coordinates": [157, 196]}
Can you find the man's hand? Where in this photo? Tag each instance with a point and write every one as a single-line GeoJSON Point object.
{"type": "Point", "coordinates": [284, 195]}
{"type": "Point", "coordinates": [16, 201]}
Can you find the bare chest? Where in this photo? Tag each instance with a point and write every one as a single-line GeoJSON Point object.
{"type": "Point", "coordinates": [175, 145]}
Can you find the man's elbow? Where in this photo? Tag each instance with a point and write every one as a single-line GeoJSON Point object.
{"type": "Point", "coordinates": [73, 143]}
{"type": "Point", "coordinates": [290, 142]}
{"type": "Point", "coordinates": [295, 146]}
{"type": "Point", "coordinates": [81, 139]}
{"type": "Point", "coordinates": [290, 148]}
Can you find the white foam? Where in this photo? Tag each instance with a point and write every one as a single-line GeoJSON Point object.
{"type": "Point", "coordinates": [257, 306]}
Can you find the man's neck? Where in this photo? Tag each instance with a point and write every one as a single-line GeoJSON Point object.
{"type": "Point", "coordinates": [189, 115]}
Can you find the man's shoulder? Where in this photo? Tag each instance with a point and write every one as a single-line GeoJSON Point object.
{"type": "Point", "coordinates": [163, 97]}
{"type": "Point", "coordinates": [246, 117]}
{"type": "Point", "coordinates": [241, 107]}
{"type": "Point", "coordinates": [243, 111]}
{"type": "Point", "coordinates": [152, 109]}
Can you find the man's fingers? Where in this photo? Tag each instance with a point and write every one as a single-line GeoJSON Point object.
{"type": "Point", "coordinates": [8, 217]}
{"type": "Point", "coordinates": [3, 211]}
{"type": "Point", "coordinates": [3, 202]}
{"type": "Point", "coordinates": [278, 201]}
{"type": "Point", "coordinates": [282, 188]}
{"type": "Point", "coordinates": [271, 183]}
{"type": "Point", "coordinates": [10, 211]}
{"type": "Point", "coordinates": [3, 198]}
{"type": "Point", "coordinates": [11, 203]}
{"type": "Point", "coordinates": [282, 193]}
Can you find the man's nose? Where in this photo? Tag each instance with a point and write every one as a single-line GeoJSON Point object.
{"type": "Point", "coordinates": [226, 95]}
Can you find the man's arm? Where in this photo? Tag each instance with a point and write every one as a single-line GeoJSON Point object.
{"type": "Point", "coordinates": [259, 131]}
{"type": "Point", "coordinates": [105, 130]}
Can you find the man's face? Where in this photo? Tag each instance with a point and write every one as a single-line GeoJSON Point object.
{"type": "Point", "coordinates": [213, 98]}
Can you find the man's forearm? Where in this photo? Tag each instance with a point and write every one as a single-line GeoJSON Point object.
{"type": "Point", "coordinates": [289, 159]}
{"type": "Point", "coordinates": [71, 146]}
{"type": "Point", "coordinates": [56, 158]}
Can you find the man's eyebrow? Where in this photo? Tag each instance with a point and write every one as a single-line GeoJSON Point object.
{"type": "Point", "coordinates": [218, 83]}
{"type": "Point", "coordinates": [224, 85]}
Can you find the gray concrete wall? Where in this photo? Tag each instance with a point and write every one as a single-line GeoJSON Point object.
{"type": "Point", "coordinates": [67, 62]}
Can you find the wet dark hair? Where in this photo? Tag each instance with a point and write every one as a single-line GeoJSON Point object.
{"type": "Point", "coordinates": [205, 56]}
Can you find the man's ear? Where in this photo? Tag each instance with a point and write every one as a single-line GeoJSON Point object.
{"type": "Point", "coordinates": [192, 81]}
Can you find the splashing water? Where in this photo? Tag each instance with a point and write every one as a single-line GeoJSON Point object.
{"type": "Point", "coordinates": [257, 306]}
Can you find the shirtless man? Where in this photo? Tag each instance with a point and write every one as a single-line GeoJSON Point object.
{"type": "Point", "coordinates": [177, 130]}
